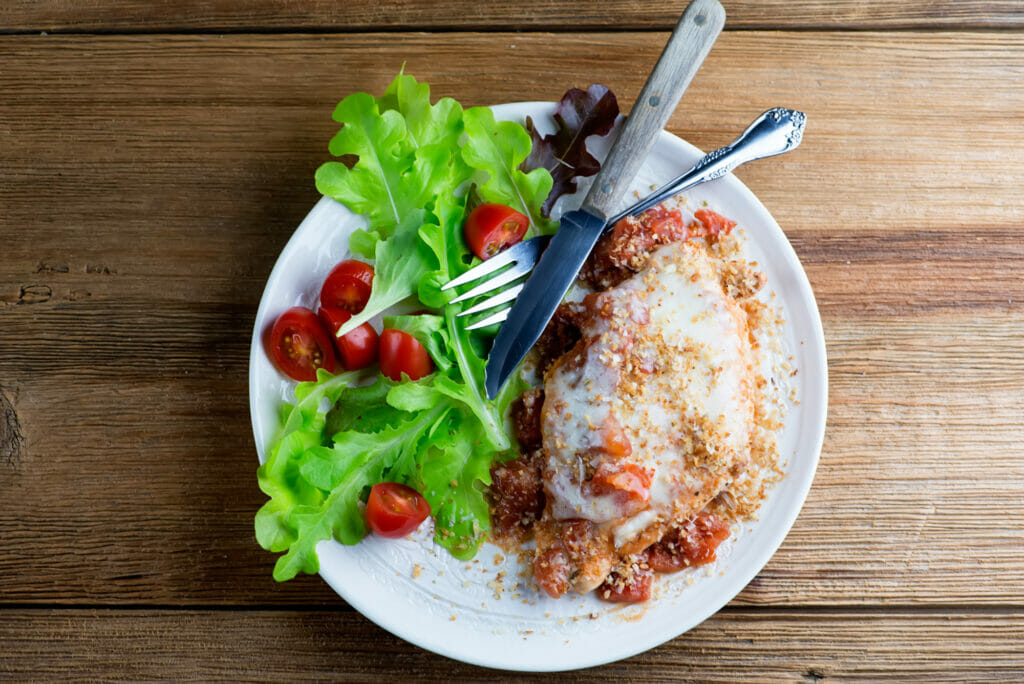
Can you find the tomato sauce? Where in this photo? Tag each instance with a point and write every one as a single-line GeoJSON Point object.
{"type": "Point", "coordinates": [517, 497]}
{"type": "Point", "coordinates": [560, 335]}
{"type": "Point", "coordinates": [526, 419]}
{"type": "Point", "coordinates": [689, 545]}
{"type": "Point", "coordinates": [625, 249]}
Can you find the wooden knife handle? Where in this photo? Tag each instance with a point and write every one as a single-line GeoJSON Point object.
{"type": "Point", "coordinates": [686, 49]}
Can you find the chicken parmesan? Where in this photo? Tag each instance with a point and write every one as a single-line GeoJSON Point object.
{"type": "Point", "coordinates": [652, 432]}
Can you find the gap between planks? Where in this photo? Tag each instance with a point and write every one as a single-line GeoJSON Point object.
{"type": "Point", "coordinates": [837, 610]}
{"type": "Point", "coordinates": [299, 31]}
{"type": "Point", "coordinates": [155, 16]}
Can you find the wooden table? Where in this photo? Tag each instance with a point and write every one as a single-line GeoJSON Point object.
{"type": "Point", "coordinates": [155, 157]}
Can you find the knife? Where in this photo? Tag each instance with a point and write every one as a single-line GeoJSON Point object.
{"type": "Point", "coordinates": [579, 230]}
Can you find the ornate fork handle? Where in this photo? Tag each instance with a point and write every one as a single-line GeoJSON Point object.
{"type": "Point", "coordinates": [776, 131]}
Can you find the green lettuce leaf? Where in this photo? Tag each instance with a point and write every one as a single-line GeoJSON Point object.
{"type": "Point", "coordinates": [401, 262]}
{"type": "Point", "coordinates": [429, 331]}
{"type": "Point", "coordinates": [357, 461]}
{"type": "Point", "coordinates": [439, 434]}
{"type": "Point", "coordinates": [498, 148]}
{"type": "Point", "coordinates": [364, 409]}
{"type": "Point", "coordinates": [393, 180]}
{"type": "Point", "coordinates": [426, 124]}
{"type": "Point", "coordinates": [446, 242]}
{"type": "Point", "coordinates": [279, 477]}
{"type": "Point", "coordinates": [460, 510]}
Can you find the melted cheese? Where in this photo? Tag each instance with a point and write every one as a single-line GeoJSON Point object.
{"type": "Point", "coordinates": [665, 355]}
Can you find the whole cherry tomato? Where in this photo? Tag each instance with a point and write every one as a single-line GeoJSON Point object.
{"type": "Point", "coordinates": [347, 286]}
{"type": "Point", "coordinates": [401, 353]}
{"type": "Point", "coordinates": [394, 510]}
{"type": "Point", "coordinates": [299, 344]}
{"type": "Point", "coordinates": [356, 348]}
{"type": "Point", "coordinates": [491, 228]}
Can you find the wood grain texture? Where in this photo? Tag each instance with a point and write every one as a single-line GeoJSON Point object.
{"type": "Point", "coordinates": [572, 15]}
{"type": "Point", "coordinates": [887, 149]}
{"type": "Point", "coordinates": [149, 183]}
{"type": "Point", "coordinates": [274, 646]}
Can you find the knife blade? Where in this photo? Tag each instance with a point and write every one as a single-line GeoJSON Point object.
{"type": "Point", "coordinates": [541, 295]}
{"type": "Point", "coordinates": [579, 230]}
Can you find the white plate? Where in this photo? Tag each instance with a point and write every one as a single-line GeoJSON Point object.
{"type": "Point", "coordinates": [415, 590]}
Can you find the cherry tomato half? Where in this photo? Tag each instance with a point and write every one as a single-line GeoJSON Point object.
{"type": "Point", "coordinates": [491, 228]}
{"type": "Point", "coordinates": [356, 348]}
{"type": "Point", "coordinates": [299, 344]}
{"type": "Point", "coordinates": [401, 353]}
{"type": "Point", "coordinates": [347, 286]}
{"type": "Point", "coordinates": [394, 510]}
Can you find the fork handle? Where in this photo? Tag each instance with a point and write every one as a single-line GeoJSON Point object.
{"type": "Point", "coordinates": [686, 49]}
{"type": "Point", "coordinates": [776, 131]}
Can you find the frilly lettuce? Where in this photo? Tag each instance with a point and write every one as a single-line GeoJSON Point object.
{"type": "Point", "coordinates": [439, 434]}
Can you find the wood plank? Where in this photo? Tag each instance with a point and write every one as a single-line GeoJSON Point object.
{"type": "Point", "coordinates": [162, 492]}
{"type": "Point", "coordinates": [149, 184]}
{"type": "Point", "coordinates": [886, 122]}
{"type": "Point", "coordinates": [543, 15]}
{"type": "Point", "coordinates": [61, 645]}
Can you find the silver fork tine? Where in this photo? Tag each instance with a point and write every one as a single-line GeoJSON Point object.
{"type": "Point", "coordinates": [526, 252]}
{"type": "Point", "coordinates": [491, 302]}
{"type": "Point", "coordinates": [517, 271]}
{"type": "Point", "coordinates": [480, 270]}
{"type": "Point", "coordinates": [490, 320]}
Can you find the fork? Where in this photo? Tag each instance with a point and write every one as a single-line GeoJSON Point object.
{"type": "Point", "coordinates": [774, 132]}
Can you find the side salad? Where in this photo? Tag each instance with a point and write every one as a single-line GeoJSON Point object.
{"type": "Point", "coordinates": [388, 427]}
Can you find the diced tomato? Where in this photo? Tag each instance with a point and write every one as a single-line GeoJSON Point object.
{"type": "Point", "coordinates": [695, 543]}
{"type": "Point", "coordinates": [628, 478]}
{"type": "Point", "coordinates": [525, 414]}
{"type": "Point", "coordinates": [624, 249]}
{"type": "Point", "coordinates": [634, 589]}
{"type": "Point", "coordinates": [491, 228]}
{"type": "Point", "coordinates": [551, 572]}
{"type": "Point", "coordinates": [517, 495]}
{"type": "Point", "coordinates": [299, 345]}
{"type": "Point", "coordinates": [394, 510]}
{"type": "Point", "coordinates": [401, 353]}
{"type": "Point", "coordinates": [714, 225]}
{"type": "Point", "coordinates": [614, 441]}
{"type": "Point", "coordinates": [577, 537]}
{"type": "Point", "coordinates": [662, 224]}
{"type": "Point", "coordinates": [347, 286]}
{"type": "Point", "coordinates": [356, 348]}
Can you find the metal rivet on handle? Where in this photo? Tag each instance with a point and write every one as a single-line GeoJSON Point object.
{"type": "Point", "coordinates": [654, 101]}
{"type": "Point", "coordinates": [699, 19]}
{"type": "Point", "coordinates": [606, 188]}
